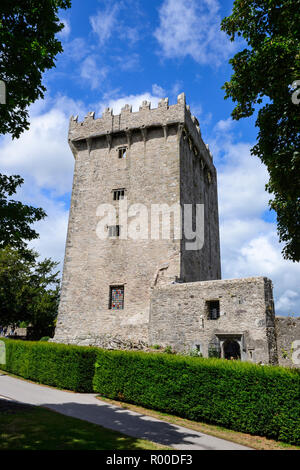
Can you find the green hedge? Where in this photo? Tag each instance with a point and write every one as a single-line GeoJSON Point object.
{"type": "Point", "coordinates": [262, 400]}
{"type": "Point", "coordinates": [59, 365]}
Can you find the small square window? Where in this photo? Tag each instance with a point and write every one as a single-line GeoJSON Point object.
{"type": "Point", "coordinates": [122, 151]}
{"type": "Point", "coordinates": [114, 231]}
{"type": "Point", "coordinates": [116, 298]}
{"type": "Point", "coordinates": [119, 194]}
{"type": "Point", "coordinates": [213, 307]}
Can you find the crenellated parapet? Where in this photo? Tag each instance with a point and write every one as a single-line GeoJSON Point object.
{"type": "Point", "coordinates": [127, 121]}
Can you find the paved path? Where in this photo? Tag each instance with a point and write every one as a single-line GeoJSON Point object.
{"type": "Point", "coordinates": [87, 407]}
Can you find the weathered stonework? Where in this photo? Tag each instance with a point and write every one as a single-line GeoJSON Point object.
{"type": "Point", "coordinates": [164, 150]}
{"type": "Point", "coordinates": [166, 286]}
{"type": "Point", "coordinates": [288, 332]}
{"type": "Point", "coordinates": [179, 317]}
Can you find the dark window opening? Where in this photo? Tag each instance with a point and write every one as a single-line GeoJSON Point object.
{"type": "Point", "coordinates": [116, 298]}
{"type": "Point", "coordinates": [232, 350]}
{"type": "Point", "coordinates": [114, 231]}
{"type": "Point", "coordinates": [122, 152]}
{"type": "Point", "coordinates": [213, 309]}
{"type": "Point", "coordinates": [119, 194]}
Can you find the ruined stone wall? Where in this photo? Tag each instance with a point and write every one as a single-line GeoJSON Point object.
{"type": "Point", "coordinates": [288, 331]}
{"type": "Point", "coordinates": [179, 316]}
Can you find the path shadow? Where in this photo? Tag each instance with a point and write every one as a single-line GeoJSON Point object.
{"type": "Point", "coordinates": [13, 407]}
{"type": "Point", "coordinates": [31, 427]}
{"type": "Point", "coordinates": [132, 424]}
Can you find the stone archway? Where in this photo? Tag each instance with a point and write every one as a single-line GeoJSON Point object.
{"type": "Point", "coordinates": [231, 349]}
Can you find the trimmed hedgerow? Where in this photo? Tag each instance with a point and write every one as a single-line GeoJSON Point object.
{"type": "Point", "coordinates": [262, 400]}
{"type": "Point", "coordinates": [64, 366]}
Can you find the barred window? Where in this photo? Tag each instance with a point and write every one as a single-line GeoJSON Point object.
{"type": "Point", "coordinates": [213, 307]}
{"type": "Point", "coordinates": [116, 297]}
{"type": "Point", "coordinates": [122, 151]}
{"type": "Point", "coordinates": [119, 194]}
{"type": "Point", "coordinates": [114, 231]}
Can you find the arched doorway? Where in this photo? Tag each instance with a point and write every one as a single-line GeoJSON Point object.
{"type": "Point", "coordinates": [231, 349]}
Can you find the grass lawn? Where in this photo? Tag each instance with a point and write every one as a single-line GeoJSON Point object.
{"type": "Point", "coordinates": [25, 427]}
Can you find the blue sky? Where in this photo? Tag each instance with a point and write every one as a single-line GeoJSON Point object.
{"type": "Point", "coordinates": [118, 52]}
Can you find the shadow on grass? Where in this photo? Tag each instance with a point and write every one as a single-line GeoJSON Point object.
{"type": "Point", "coordinates": [29, 427]}
{"type": "Point", "coordinates": [32, 427]}
{"type": "Point", "coordinates": [133, 424]}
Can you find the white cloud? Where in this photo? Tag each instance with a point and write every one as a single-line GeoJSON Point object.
{"type": "Point", "coordinates": [224, 125]}
{"type": "Point", "coordinates": [242, 182]}
{"type": "Point", "coordinates": [259, 254]}
{"type": "Point", "coordinates": [76, 49]}
{"type": "Point", "coordinates": [176, 88]}
{"type": "Point", "coordinates": [116, 104]}
{"type": "Point", "coordinates": [158, 90]}
{"type": "Point", "coordinates": [92, 73]}
{"type": "Point", "coordinates": [42, 153]}
{"type": "Point", "coordinates": [192, 28]}
{"type": "Point", "coordinates": [109, 22]}
{"type": "Point", "coordinates": [129, 34]}
{"type": "Point", "coordinates": [289, 301]}
{"type": "Point", "coordinates": [104, 22]}
{"type": "Point", "coordinates": [43, 158]}
{"type": "Point", "coordinates": [128, 62]}
{"type": "Point", "coordinates": [53, 229]}
{"type": "Point", "coordinates": [65, 32]}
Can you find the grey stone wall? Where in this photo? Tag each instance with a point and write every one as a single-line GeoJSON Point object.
{"type": "Point", "coordinates": [164, 115]}
{"type": "Point", "coordinates": [92, 264]}
{"type": "Point", "coordinates": [161, 143]}
{"type": "Point", "coordinates": [179, 317]}
{"type": "Point", "coordinates": [198, 185]}
{"type": "Point", "coordinates": [288, 331]}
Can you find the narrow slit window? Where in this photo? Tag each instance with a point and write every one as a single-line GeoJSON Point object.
{"type": "Point", "coordinates": [116, 298]}
{"type": "Point", "coordinates": [119, 194]}
{"type": "Point", "coordinates": [122, 152]}
{"type": "Point", "coordinates": [114, 231]}
{"type": "Point", "coordinates": [213, 309]}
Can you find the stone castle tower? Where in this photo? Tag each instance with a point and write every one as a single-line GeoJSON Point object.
{"type": "Point", "coordinates": [150, 157]}
{"type": "Point", "coordinates": [132, 280]}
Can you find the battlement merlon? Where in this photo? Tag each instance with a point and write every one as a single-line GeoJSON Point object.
{"type": "Point", "coordinates": [164, 115]}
